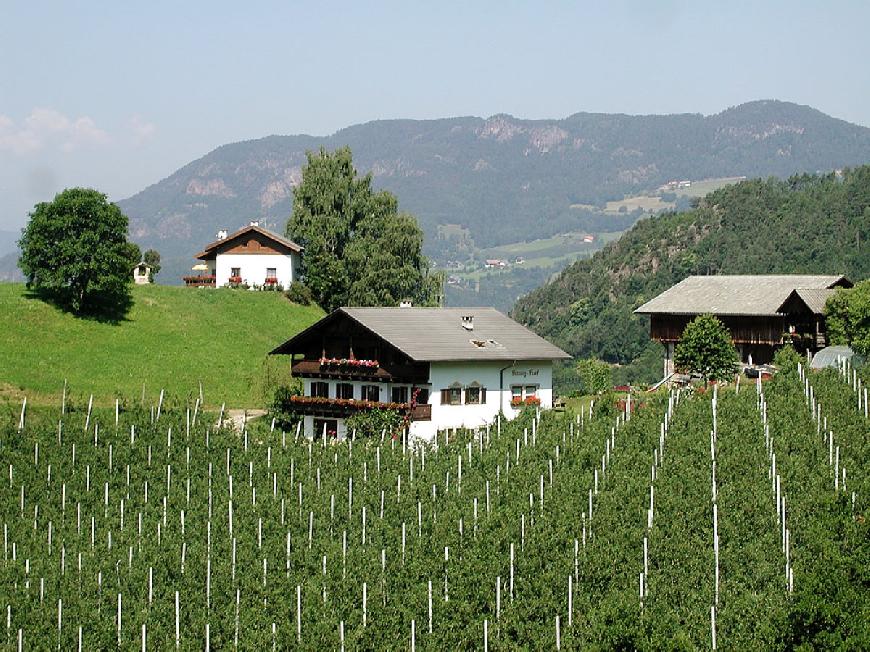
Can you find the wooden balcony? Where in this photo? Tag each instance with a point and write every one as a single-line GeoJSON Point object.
{"type": "Point", "coordinates": [199, 281]}
{"type": "Point", "coordinates": [409, 373]}
{"type": "Point", "coordinates": [342, 407]}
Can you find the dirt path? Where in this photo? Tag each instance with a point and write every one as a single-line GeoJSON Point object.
{"type": "Point", "coordinates": [238, 418]}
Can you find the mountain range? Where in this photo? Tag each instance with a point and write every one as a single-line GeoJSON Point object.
{"type": "Point", "coordinates": [502, 179]}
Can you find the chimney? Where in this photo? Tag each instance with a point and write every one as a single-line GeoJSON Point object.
{"type": "Point", "coordinates": [255, 223]}
{"type": "Point", "coordinates": [222, 234]}
{"type": "Point", "coordinates": [468, 322]}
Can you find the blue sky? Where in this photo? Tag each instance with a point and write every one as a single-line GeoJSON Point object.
{"type": "Point", "coordinates": [118, 95]}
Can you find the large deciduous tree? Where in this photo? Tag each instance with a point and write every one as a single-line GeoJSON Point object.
{"type": "Point", "coordinates": [705, 348]}
{"type": "Point", "coordinates": [75, 248]}
{"type": "Point", "coordinates": [358, 249]}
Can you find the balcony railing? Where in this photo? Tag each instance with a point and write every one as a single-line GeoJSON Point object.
{"type": "Point", "coordinates": [199, 281]}
{"type": "Point", "coordinates": [344, 407]}
{"type": "Point", "coordinates": [382, 372]}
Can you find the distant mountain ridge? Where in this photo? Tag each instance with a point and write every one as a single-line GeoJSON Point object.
{"type": "Point", "coordinates": [504, 178]}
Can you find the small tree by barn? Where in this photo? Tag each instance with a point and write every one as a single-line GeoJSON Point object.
{"type": "Point", "coordinates": [705, 348]}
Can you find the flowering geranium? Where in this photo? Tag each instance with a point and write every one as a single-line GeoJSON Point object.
{"type": "Point", "coordinates": [347, 402]}
{"type": "Point", "coordinates": [271, 280]}
{"type": "Point", "coordinates": [518, 401]}
{"type": "Point", "coordinates": [349, 363]}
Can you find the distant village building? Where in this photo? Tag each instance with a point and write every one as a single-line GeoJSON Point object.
{"type": "Point", "coordinates": [142, 274]}
{"type": "Point", "coordinates": [440, 367]}
{"type": "Point", "coordinates": [252, 256]}
{"type": "Point", "coordinates": [761, 312]}
{"type": "Point", "coordinates": [491, 263]}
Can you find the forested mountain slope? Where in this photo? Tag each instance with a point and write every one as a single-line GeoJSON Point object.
{"type": "Point", "coordinates": [807, 224]}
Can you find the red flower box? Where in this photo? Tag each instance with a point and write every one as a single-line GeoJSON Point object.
{"type": "Point", "coordinates": [348, 363]}
{"type": "Point", "coordinates": [235, 279]}
{"type": "Point", "coordinates": [271, 280]}
{"type": "Point", "coordinates": [518, 402]}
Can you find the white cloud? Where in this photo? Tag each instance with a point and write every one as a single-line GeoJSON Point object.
{"type": "Point", "coordinates": [142, 129]}
{"type": "Point", "coordinates": [48, 128]}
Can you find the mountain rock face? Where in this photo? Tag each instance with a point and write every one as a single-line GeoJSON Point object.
{"type": "Point", "coordinates": [502, 178]}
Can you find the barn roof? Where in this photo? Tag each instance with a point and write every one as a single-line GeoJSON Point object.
{"type": "Point", "coordinates": [438, 334]}
{"type": "Point", "coordinates": [756, 295]}
{"type": "Point", "coordinates": [210, 249]}
{"type": "Point", "coordinates": [814, 298]}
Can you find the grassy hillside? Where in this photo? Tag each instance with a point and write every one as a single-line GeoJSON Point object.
{"type": "Point", "coordinates": [173, 338]}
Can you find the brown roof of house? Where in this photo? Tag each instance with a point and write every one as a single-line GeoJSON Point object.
{"type": "Point", "coordinates": [438, 334]}
{"type": "Point", "coordinates": [209, 250]}
{"type": "Point", "coordinates": [737, 294]}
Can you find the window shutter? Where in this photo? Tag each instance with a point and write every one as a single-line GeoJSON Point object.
{"type": "Point", "coordinates": [445, 397]}
{"type": "Point", "coordinates": [483, 395]}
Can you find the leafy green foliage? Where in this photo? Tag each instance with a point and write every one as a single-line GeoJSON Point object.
{"type": "Point", "coordinates": [299, 293]}
{"type": "Point", "coordinates": [152, 259]}
{"type": "Point", "coordinates": [847, 315]}
{"type": "Point", "coordinates": [786, 359]}
{"type": "Point", "coordinates": [705, 348]}
{"type": "Point", "coordinates": [371, 423]}
{"type": "Point", "coordinates": [75, 248]}
{"type": "Point", "coordinates": [595, 375]}
{"type": "Point", "coordinates": [358, 249]}
{"type": "Point", "coordinates": [281, 409]}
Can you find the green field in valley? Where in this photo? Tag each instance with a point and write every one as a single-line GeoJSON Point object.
{"type": "Point", "coordinates": [173, 338]}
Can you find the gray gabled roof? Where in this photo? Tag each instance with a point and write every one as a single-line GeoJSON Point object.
{"type": "Point", "coordinates": [815, 298]}
{"type": "Point", "coordinates": [437, 334]}
{"type": "Point", "coordinates": [735, 294]}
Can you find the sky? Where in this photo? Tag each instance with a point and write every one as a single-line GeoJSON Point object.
{"type": "Point", "coordinates": [119, 95]}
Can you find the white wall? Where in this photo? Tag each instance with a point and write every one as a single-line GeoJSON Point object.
{"type": "Point", "coordinates": [498, 397]}
{"type": "Point", "coordinates": [443, 375]}
{"type": "Point", "coordinates": [254, 266]}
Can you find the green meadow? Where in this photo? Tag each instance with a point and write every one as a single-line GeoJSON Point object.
{"type": "Point", "coordinates": [172, 339]}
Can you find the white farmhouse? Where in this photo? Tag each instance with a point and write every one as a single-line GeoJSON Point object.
{"type": "Point", "coordinates": [440, 367]}
{"type": "Point", "coordinates": [252, 255]}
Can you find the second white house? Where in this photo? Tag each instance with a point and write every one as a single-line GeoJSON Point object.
{"type": "Point", "coordinates": [442, 367]}
{"type": "Point", "coordinates": [252, 256]}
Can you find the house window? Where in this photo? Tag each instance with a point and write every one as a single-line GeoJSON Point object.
{"type": "Point", "coordinates": [475, 394]}
{"type": "Point", "coordinates": [271, 272]}
{"type": "Point", "coordinates": [422, 396]}
{"type": "Point", "coordinates": [452, 395]}
{"type": "Point", "coordinates": [235, 271]}
{"type": "Point", "coordinates": [399, 395]}
{"type": "Point", "coordinates": [320, 389]}
{"type": "Point", "coordinates": [371, 393]}
{"type": "Point", "coordinates": [343, 390]}
{"type": "Point", "coordinates": [523, 394]}
{"type": "Point", "coordinates": [330, 425]}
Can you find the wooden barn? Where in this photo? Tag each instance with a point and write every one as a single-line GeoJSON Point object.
{"type": "Point", "coordinates": [761, 312]}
